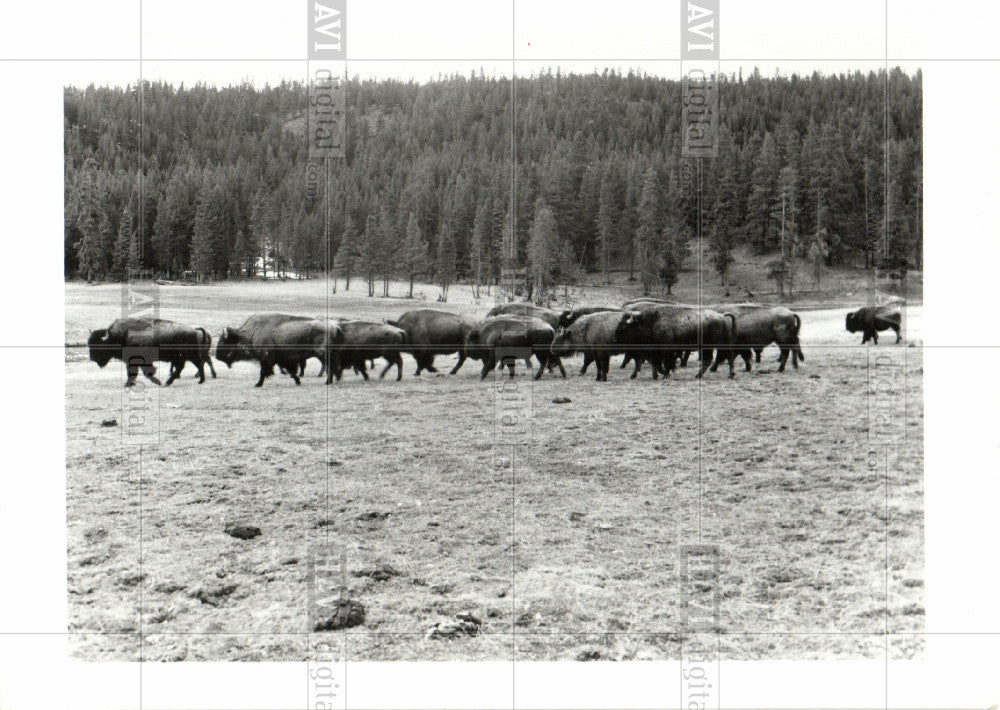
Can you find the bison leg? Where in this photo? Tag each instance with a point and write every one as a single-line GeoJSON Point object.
{"type": "Point", "coordinates": [488, 364]}
{"type": "Point", "coordinates": [399, 366]}
{"type": "Point", "coordinates": [784, 359]}
{"type": "Point", "coordinates": [543, 362]}
{"type": "Point", "coordinates": [211, 365]}
{"type": "Point", "coordinates": [898, 336]}
{"type": "Point", "coordinates": [757, 352]}
{"type": "Point", "coordinates": [175, 371]}
{"type": "Point", "coordinates": [684, 358]}
{"type": "Point", "coordinates": [603, 365]}
{"type": "Point", "coordinates": [638, 366]}
{"type": "Point", "coordinates": [625, 361]}
{"type": "Point", "coordinates": [587, 359]}
{"type": "Point", "coordinates": [732, 358]}
{"type": "Point", "coordinates": [705, 357]}
{"type": "Point", "coordinates": [875, 338]}
{"type": "Point", "coordinates": [266, 370]}
{"type": "Point", "coordinates": [389, 362]}
{"type": "Point", "coordinates": [149, 370]}
{"type": "Point", "coordinates": [201, 372]}
{"type": "Point", "coordinates": [458, 365]}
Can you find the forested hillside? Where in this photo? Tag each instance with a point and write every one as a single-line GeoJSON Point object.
{"type": "Point", "coordinates": [812, 170]}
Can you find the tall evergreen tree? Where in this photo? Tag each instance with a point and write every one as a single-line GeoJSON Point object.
{"type": "Point", "coordinates": [414, 251]}
{"type": "Point", "coordinates": [348, 253]}
{"type": "Point", "coordinates": [648, 248]}
{"type": "Point", "coordinates": [90, 248]}
{"type": "Point", "coordinates": [444, 262]}
{"type": "Point", "coordinates": [543, 245]}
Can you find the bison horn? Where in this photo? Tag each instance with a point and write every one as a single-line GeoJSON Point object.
{"type": "Point", "coordinates": [225, 333]}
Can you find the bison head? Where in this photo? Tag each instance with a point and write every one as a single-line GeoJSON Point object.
{"type": "Point", "coordinates": [853, 326]}
{"type": "Point", "coordinates": [565, 320]}
{"type": "Point", "coordinates": [101, 349]}
{"type": "Point", "coordinates": [229, 347]}
{"type": "Point", "coordinates": [629, 325]}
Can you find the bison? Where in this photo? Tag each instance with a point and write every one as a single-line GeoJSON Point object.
{"type": "Point", "coordinates": [141, 342]}
{"type": "Point", "coordinates": [430, 332]}
{"type": "Point", "coordinates": [662, 335]}
{"type": "Point", "coordinates": [648, 304]}
{"type": "Point", "coordinates": [643, 299]}
{"type": "Point", "coordinates": [758, 327]}
{"type": "Point", "coordinates": [205, 345]}
{"type": "Point", "coordinates": [364, 341]}
{"type": "Point", "coordinates": [567, 318]}
{"type": "Point", "coordinates": [872, 319]}
{"type": "Point", "coordinates": [493, 336]}
{"type": "Point", "coordinates": [594, 336]}
{"type": "Point", "coordinates": [283, 340]}
{"type": "Point", "coordinates": [526, 310]}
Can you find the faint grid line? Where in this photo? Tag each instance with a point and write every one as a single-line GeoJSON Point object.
{"type": "Point", "coordinates": [496, 60]}
{"type": "Point", "coordinates": [738, 633]}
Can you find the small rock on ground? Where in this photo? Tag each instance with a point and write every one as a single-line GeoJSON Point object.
{"type": "Point", "coordinates": [346, 614]}
{"type": "Point", "coordinates": [243, 532]}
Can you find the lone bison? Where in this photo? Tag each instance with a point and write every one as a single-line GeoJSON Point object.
{"type": "Point", "coordinates": [872, 319]}
{"type": "Point", "coordinates": [141, 342]}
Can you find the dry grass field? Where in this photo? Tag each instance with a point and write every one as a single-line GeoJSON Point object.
{"type": "Point", "coordinates": [574, 555]}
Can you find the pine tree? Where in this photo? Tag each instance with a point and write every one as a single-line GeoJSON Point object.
{"type": "Point", "coordinates": [648, 250]}
{"type": "Point", "coordinates": [674, 237]}
{"type": "Point", "coordinates": [478, 247]}
{"type": "Point", "coordinates": [722, 233]}
{"type": "Point", "coordinates": [245, 252]}
{"type": "Point", "coordinates": [444, 261]}
{"type": "Point", "coordinates": [414, 251]}
{"type": "Point", "coordinates": [782, 269]}
{"type": "Point", "coordinates": [543, 243]}
{"type": "Point", "coordinates": [126, 252]}
{"type": "Point", "coordinates": [388, 250]}
{"type": "Point", "coordinates": [205, 251]}
{"type": "Point", "coordinates": [369, 252]}
{"type": "Point", "coordinates": [174, 225]}
{"type": "Point", "coordinates": [763, 195]}
{"type": "Point", "coordinates": [347, 253]}
{"type": "Point", "coordinates": [608, 220]}
{"type": "Point", "coordinates": [90, 222]}
{"type": "Point", "coordinates": [261, 225]}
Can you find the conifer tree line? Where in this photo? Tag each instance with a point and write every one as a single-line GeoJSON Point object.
{"type": "Point", "coordinates": [816, 170]}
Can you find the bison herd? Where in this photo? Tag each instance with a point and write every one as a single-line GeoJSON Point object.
{"type": "Point", "coordinates": [643, 331]}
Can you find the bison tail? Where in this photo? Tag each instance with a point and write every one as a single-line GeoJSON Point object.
{"type": "Point", "coordinates": [393, 323]}
{"type": "Point", "coordinates": [206, 336]}
{"type": "Point", "coordinates": [798, 323]}
{"type": "Point", "coordinates": [731, 316]}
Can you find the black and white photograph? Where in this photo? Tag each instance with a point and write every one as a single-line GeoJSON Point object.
{"type": "Point", "coordinates": [547, 355]}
